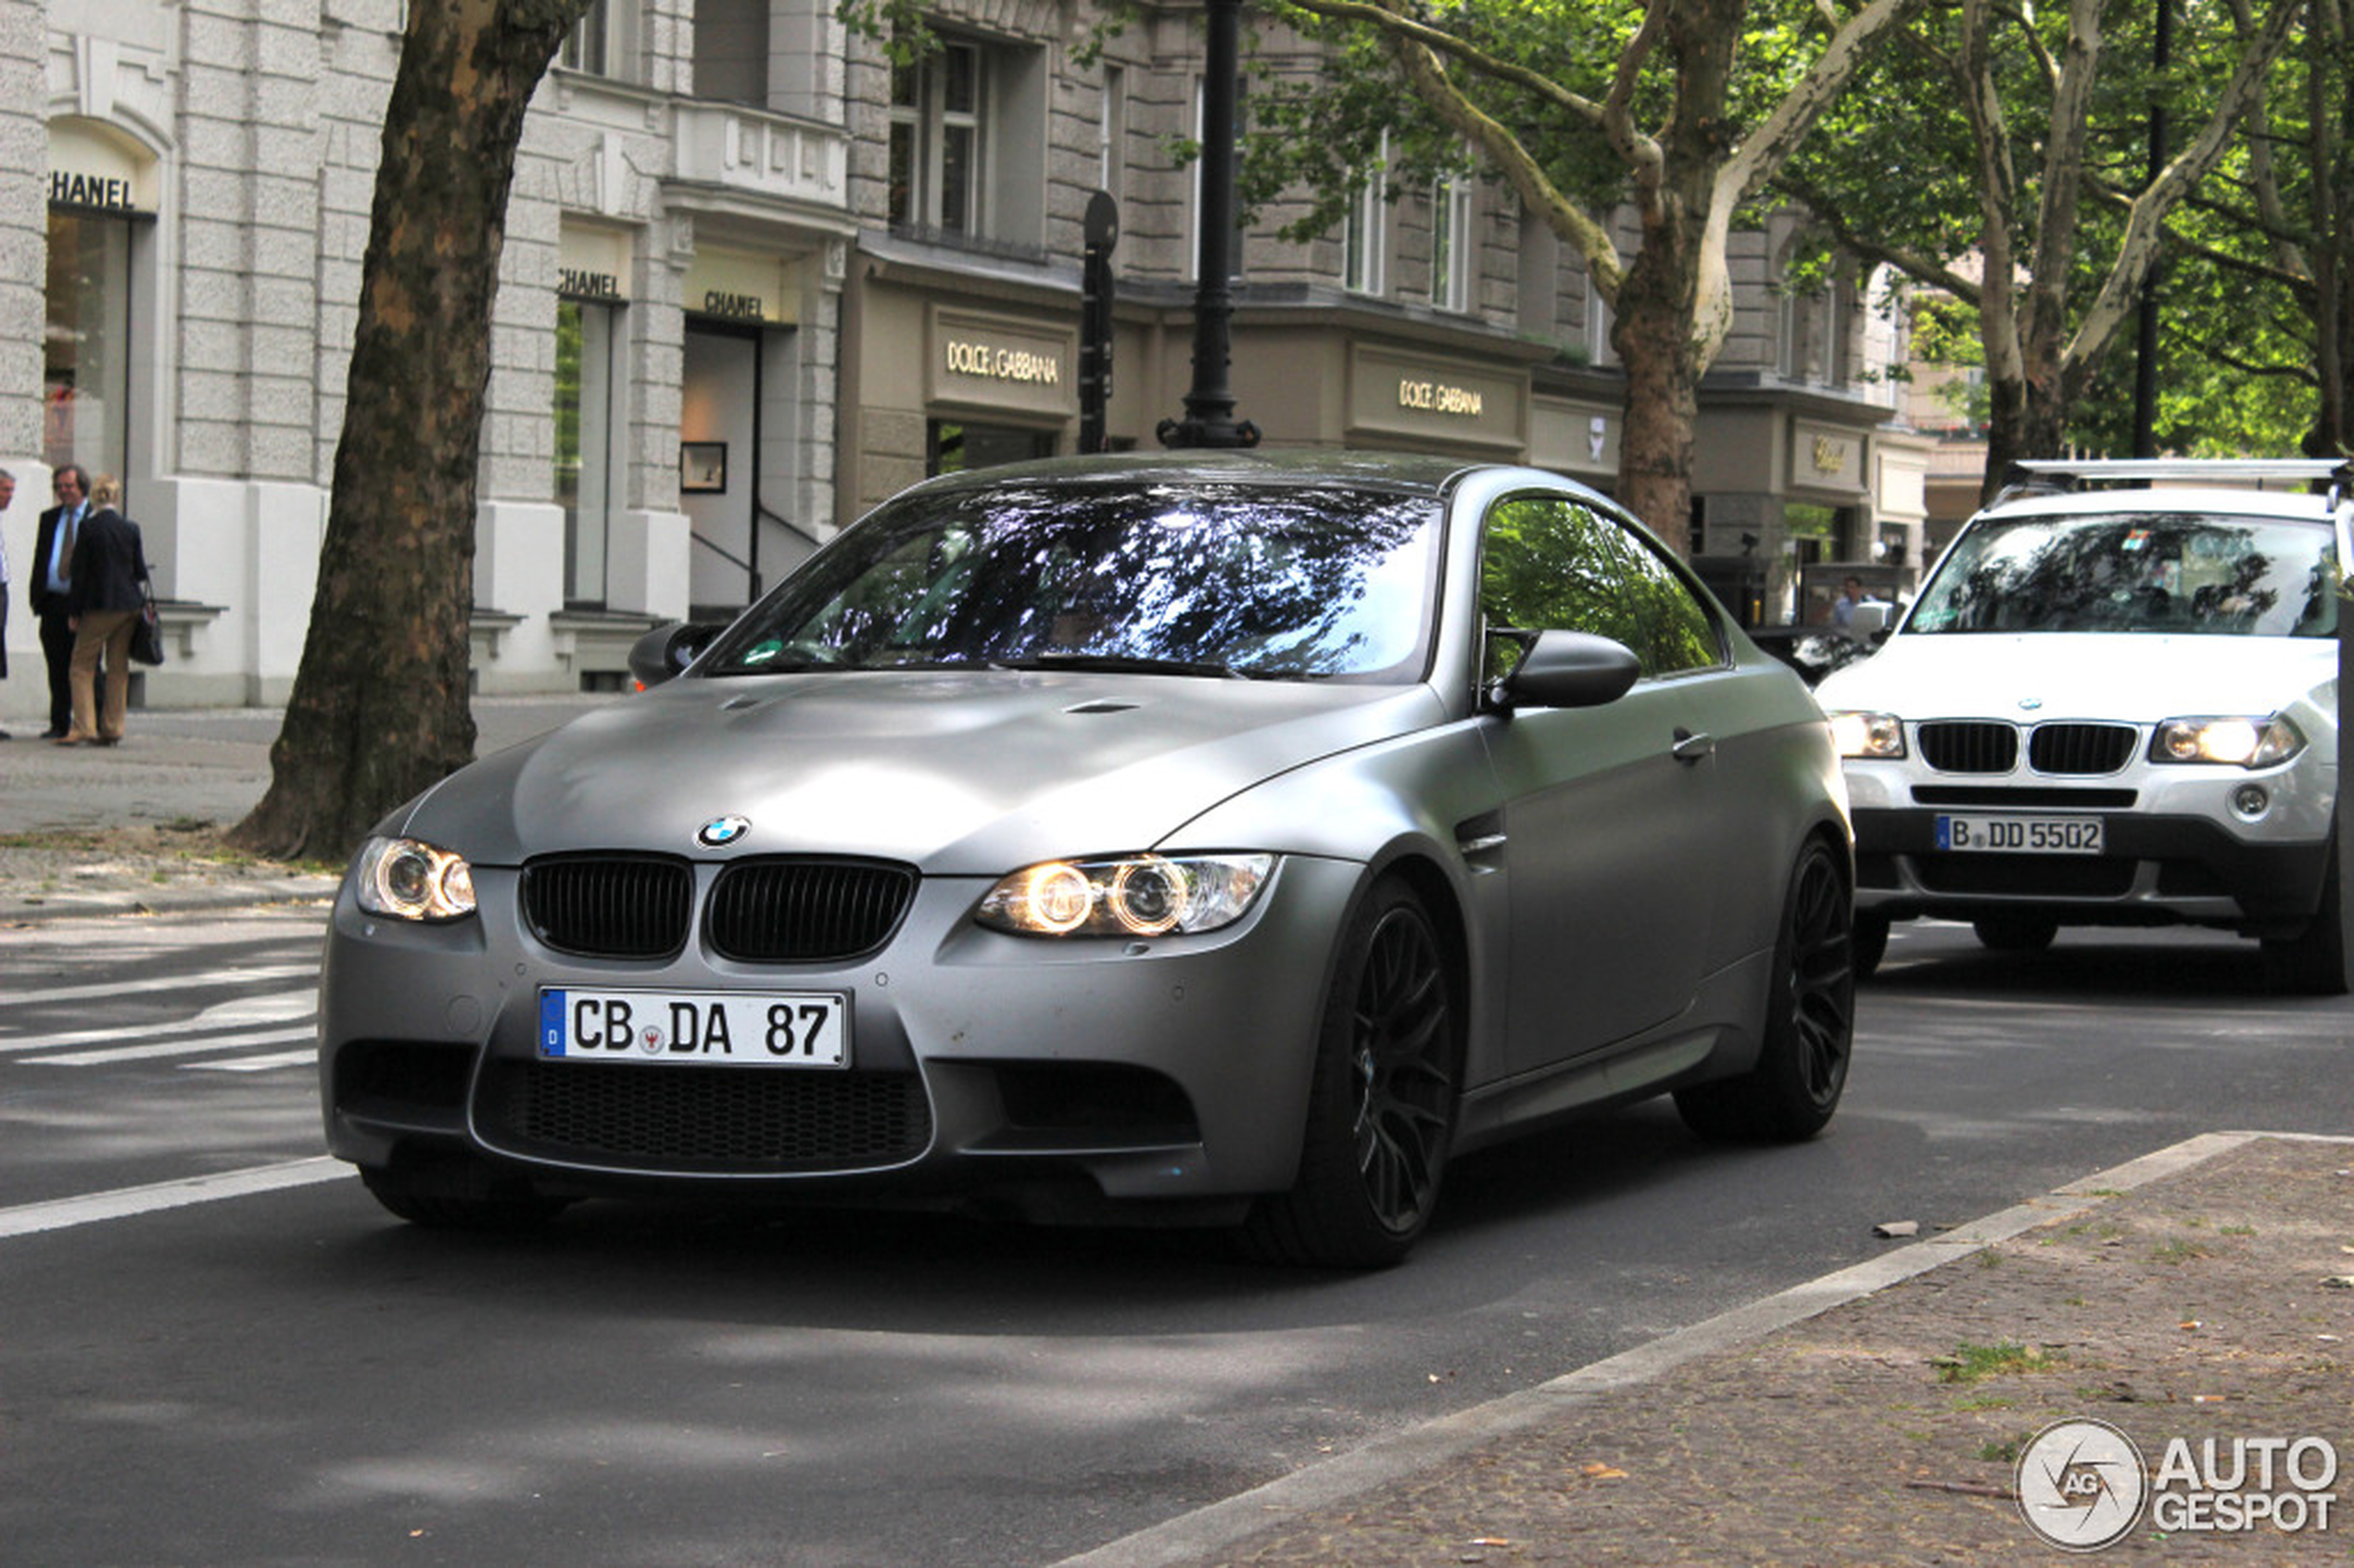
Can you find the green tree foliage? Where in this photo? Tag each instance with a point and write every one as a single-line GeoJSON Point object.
{"type": "Point", "coordinates": [2259, 353]}
{"type": "Point", "coordinates": [2001, 156]}
{"type": "Point", "coordinates": [1636, 134]}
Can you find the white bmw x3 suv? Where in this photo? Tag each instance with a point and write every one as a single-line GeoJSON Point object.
{"type": "Point", "coordinates": [2113, 706]}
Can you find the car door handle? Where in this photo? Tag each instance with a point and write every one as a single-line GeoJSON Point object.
{"type": "Point", "coordinates": [1690, 748]}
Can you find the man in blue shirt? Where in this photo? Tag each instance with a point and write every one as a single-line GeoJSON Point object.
{"type": "Point", "coordinates": [49, 571]}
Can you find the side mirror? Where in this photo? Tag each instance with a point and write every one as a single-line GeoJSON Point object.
{"type": "Point", "coordinates": [1566, 669]}
{"type": "Point", "coordinates": [668, 649]}
{"type": "Point", "coordinates": [1867, 621]}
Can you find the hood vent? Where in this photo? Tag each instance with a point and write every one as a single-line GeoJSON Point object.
{"type": "Point", "coordinates": [1100, 705]}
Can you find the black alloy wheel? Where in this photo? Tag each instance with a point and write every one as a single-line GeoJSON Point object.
{"type": "Point", "coordinates": [1809, 1034]}
{"type": "Point", "coordinates": [1380, 1111]}
{"type": "Point", "coordinates": [1400, 1060]}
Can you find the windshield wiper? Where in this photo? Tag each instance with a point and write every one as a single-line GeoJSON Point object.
{"type": "Point", "coordinates": [1128, 664]}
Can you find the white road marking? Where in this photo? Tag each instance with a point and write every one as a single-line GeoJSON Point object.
{"type": "Point", "coordinates": [162, 982]}
{"type": "Point", "coordinates": [255, 1064]}
{"type": "Point", "coordinates": [275, 1008]}
{"type": "Point", "coordinates": [175, 1048]}
{"type": "Point", "coordinates": [58, 1214]}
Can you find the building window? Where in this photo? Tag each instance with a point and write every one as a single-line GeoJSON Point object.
{"type": "Point", "coordinates": [936, 114]}
{"type": "Point", "coordinates": [85, 370]}
{"type": "Point", "coordinates": [1365, 240]}
{"type": "Point", "coordinates": [585, 337]}
{"type": "Point", "coordinates": [953, 447]}
{"type": "Point", "coordinates": [1450, 244]}
{"type": "Point", "coordinates": [1111, 132]}
{"type": "Point", "coordinates": [585, 47]}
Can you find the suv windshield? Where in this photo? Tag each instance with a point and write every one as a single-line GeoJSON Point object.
{"type": "Point", "coordinates": [2158, 572]}
{"type": "Point", "coordinates": [1282, 583]}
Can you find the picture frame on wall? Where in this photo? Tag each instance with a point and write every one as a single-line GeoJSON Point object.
{"type": "Point", "coordinates": [703, 467]}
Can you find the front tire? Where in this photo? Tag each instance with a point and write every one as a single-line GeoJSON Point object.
{"type": "Point", "coordinates": [1381, 1108]}
{"type": "Point", "coordinates": [1810, 1024]}
{"type": "Point", "coordinates": [2313, 962]}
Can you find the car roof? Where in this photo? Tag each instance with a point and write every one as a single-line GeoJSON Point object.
{"type": "Point", "coordinates": [1415, 472]}
{"type": "Point", "coordinates": [2188, 500]}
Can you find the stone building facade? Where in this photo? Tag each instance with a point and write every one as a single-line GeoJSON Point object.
{"type": "Point", "coordinates": [756, 280]}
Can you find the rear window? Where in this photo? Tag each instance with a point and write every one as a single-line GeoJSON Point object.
{"type": "Point", "coordinates": [2158, 572]}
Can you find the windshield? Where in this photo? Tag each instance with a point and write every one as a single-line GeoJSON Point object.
{"type": "Point", "coordinates": [1280, 583]}
{"type": "Point", "coordinates": [2135, 572]}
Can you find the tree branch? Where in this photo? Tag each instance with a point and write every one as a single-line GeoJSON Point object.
{"type": "Point", "coordinates": [1765, 151]}
{"type": "Point", "coordinates": [2138, 252]}
{"type": "Point", "coordinates": [1398, 26]}
{"type": "Point", "coordinates": [1912, 264]}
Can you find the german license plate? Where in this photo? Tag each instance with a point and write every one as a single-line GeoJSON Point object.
{"type": "Point", "coordinates": [2011, 834]}
{"type": "Point", "coordinates": [695, 1027]}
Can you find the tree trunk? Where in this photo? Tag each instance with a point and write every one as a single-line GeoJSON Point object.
{"type": "Point", "coordinates": [1652, 336]}
{"type": "Point", "coordinates": [379, 710]}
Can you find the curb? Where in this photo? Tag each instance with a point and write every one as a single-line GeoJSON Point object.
{"type": "Point", "coordinates": [1203, 1534]}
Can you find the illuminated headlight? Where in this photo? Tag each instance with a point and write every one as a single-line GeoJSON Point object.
{"type": "Point", "coordinates": [2233, 740]}
{"type": "Point", "coordinates": [1138, 895]}
{"type": "Point", "coordinates": [409, 880]}
{"type": "Point", "coordinates": [1868, 735]}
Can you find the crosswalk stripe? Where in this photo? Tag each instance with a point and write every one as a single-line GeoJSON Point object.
{"type": "Point", "coordinates": [254, 1063]}
{"type": "Point", "coordinates": [163, 982]}
{"type": "Point", "coordinates": [175, 1047]}
{"type": "Point", "coordinates": [272, 1008]}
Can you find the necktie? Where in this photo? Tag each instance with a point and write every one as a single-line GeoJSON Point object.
{"type": "Point", "coordinates": [65, 546]}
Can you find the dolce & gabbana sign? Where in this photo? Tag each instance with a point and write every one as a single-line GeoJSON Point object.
{"type": "Point", "coordinates": [1000, 362]}
{"type": "Point", "coordinates": [1459, 402]}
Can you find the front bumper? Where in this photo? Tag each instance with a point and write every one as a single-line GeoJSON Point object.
{"type": "Point", "coordinates": [2175, 848]}
{"type": "Point", "coordinates": [1174, 1070]}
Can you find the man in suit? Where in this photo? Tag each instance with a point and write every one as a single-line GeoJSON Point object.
{"type": "Point", "coordinates": [49, 571]}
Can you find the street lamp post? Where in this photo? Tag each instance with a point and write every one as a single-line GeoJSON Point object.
{"type": "Point", "coordinates": [1209, 407]}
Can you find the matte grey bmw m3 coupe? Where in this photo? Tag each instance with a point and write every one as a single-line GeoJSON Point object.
{"type": "Point", "coordinates": [1222, 839]}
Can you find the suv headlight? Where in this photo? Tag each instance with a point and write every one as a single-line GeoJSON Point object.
{"type": "Point", "coordinates": [1138, 895]}
{"type": "Point", "coordinates": [2233, 740]}
{"type": "Point", "coordinates": [1868, 735]}
{"type": "Point", "coordinates": [409, 880]}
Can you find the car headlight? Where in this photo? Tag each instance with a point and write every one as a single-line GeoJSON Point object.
{"type": "Point", "coordinates": [410, 879]}
{"type": "Point", "coordinates": [1868, 735]}
{"type": "Point", "coordinates": [2233, 739]}
{"type": "Point", "coordinates": [1138, 895]}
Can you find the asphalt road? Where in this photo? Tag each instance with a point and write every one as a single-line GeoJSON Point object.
{"type": "Point", "coordinates": [284, 1375]}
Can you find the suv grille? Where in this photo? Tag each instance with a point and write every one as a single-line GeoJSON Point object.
{"type": "Point", "coordinates": [1969, 745]}
{"type": "Point", "coordinates": [2081, 747]}
{"type": "Point", "coordinates": [805, 911]}
{"type": "Point", "coordinates": [740, 1120]}
{"type": "Point", "coordinates": [609, 906]}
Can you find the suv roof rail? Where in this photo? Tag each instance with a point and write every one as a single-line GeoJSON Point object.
{"type": "Point", "coordinates": [2049, 475]}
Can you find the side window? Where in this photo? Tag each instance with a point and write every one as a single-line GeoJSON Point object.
{"type": "Point", "coordinates": [1546, 564]}
{"type": "Point", "coordinates": [1677, 631]}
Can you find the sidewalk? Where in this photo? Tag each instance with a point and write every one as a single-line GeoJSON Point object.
{"type": "Point", "coordinates": [1877, 1416]}
{"type": "Point", "coordinates": [85, 830]}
